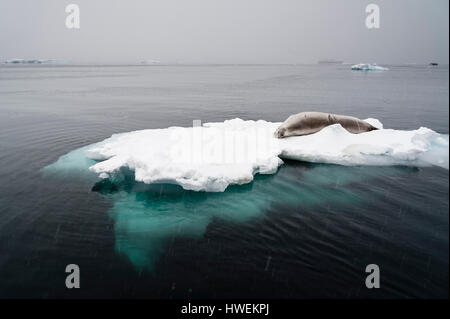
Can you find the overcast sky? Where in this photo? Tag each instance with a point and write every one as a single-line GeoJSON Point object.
{"type": "Point", "coordinates": [226, 31]}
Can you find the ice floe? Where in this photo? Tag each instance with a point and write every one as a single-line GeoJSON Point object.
{"type": "Point", "coordinates": [213, 156]}
{"type": "Point", "coordinates": [368, 67]}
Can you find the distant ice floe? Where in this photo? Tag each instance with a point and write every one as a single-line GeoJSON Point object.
{"type": "Point", "coordinates": [215, 155]}
{"type": "Point", "coordinates": [368, 67]}
{"type": "Point", "coordinates": [35, 61]}
{"type": "Point", "coordinates": [151, 62]}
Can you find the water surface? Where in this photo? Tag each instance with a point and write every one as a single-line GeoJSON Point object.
{"type": "Point", "coordinates": [307, 231]}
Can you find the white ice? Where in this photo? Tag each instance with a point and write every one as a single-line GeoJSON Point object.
{"type": "Point", "coordinates": [368, 67]}
{"type": "Point", "coordinates": [215, 155]}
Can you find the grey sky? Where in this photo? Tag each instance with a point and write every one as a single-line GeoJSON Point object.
{"type": "Point", "coordinates": [226, 31]}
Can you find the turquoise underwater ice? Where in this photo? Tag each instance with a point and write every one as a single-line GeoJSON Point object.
{"type": "Point", "coordinates": [146, 217]}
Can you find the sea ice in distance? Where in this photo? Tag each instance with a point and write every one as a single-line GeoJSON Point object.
{"type": "Point", "coordinates": [368, 67]}
{"type": "Point", "coordinates": [214, 155]}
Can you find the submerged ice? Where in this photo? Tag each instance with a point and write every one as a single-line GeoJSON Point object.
{"type": "Point", "coordinates": [213, 156]}
{"type": "Point", "coordinates": [147, 217]}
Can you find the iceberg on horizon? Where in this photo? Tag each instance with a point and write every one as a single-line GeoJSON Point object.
{"type": "Point", "coordinates": [368, 67]}
{"type": "Point", "coordinates": [151, 62]}
{"type": "Point", "coordinates": [23, 61]}
{"type": "Point", "coordinates": [36, 61]}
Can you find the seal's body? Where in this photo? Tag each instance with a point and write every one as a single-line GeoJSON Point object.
{"type": "Point", "coordinates": [311, 122]}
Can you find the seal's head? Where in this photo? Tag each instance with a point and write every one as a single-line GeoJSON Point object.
{"type": "Point", "coordinates": [280, 132]}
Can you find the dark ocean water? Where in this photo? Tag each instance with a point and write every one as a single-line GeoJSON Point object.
{"type": "Point", "coordinates": [307, 231]}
